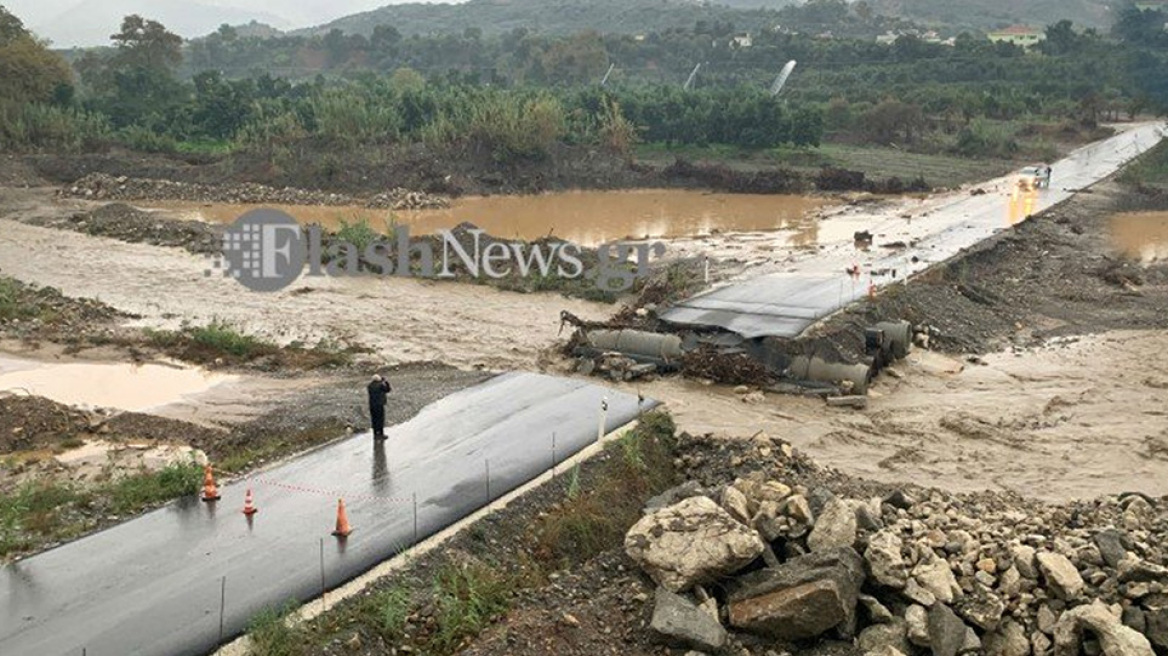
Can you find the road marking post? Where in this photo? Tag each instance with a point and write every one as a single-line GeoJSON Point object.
{"type": "Point", "coordinates": [488, 462]}
{"type": "Point", "coordinates": [603, 418]}
{"type": "Point", "coordinates": [553, 455]}
{"type": "Point", "coordinates": [222, 607]}
{"type": "Point", "coordinates": [323, 602]}
{"type": "Point", "coordinates": [415, 518]}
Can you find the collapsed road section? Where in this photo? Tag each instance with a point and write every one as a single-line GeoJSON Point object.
{"type": "Point", "coordinates": [785, 304]}
{"type": "Point", "coordinates": [184, 578]}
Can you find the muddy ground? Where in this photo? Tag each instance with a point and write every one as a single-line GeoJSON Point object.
{"type": "Point", "coordinates": [1046, 375]}
{"type": "Point", "coordinates": [1062, 397]}
{"type": "Point", "coordinates": [455, 171]}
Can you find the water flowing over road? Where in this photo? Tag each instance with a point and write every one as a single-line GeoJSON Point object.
{"type": "Point", "coordinates": [784, 304]}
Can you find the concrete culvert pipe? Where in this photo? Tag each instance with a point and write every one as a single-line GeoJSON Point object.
{"type": "Point", "coordinates": [637, 342]}
{"type": "Point", "coordinates": [817, 369]}
{"type": "Point", "coordinates": [900, 333]}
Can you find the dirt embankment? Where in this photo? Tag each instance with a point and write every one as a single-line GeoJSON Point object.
{"type": "Point", "coordinates": [379, 178]}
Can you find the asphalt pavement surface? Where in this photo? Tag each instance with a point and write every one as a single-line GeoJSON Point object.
{"type": "Point", "coordinates": [156, 585]}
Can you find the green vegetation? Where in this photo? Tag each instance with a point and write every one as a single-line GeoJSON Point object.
{"type": "Point", "coordinates": [593, 518]}
{"type": "Point", "coordinates": [42, 512]}
{"type": "Point", "coordinates": [221, 343]}
{"type": "Point", "coordinates": [221, 336]}
{"type": "Point", "coordinates": [1150, 170]}
{"type": "Point", "coordinates": [515, 96]}
{"type": "Point", "coordinates": [272, 635]}
{"type": "Point", "coordinates": [12, 306]}
{"type": "Point", "coordinates": [467, 598]}
{"type": "Point", "coordinates": [131, 494]}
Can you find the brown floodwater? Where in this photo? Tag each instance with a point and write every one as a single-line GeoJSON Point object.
{"type": "Point", "coordinates": [1141, 235]}
{"type": "Point", "coordinates": [106, 385]}
{"type": "Point", "coordinates": [584, 217]}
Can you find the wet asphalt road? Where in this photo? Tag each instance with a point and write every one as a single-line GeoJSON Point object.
{"type": "Point", "coordinates": [787, 303]}
{"type": "Point", "coordinates": [154, 585]}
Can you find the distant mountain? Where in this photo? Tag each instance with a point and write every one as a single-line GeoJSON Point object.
{"type": "Point", "coordinates": [545, 16]}
{"type": "Point", "coordinates": [989, 14]}
{"type": "Point", "coordinates": [91, 22]}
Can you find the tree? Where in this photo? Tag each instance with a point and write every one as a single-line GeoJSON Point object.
{"type": "Point", "coordinates": [893, 120]}
{"type": "Point", "coordinates": [146, 44]}
{"type": "Point", "coordinates": [29, 71]}
{"type": "Point", "coordinates": [1061, 39]}
{"type": "Point", "coordinates": [221, 107]}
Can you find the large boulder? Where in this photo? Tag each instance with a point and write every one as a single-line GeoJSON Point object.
{"type": "Point", "coordinates": [802, 598]}
{"type": "Point", "coordinates": [946, 631]}
{"type": "Point", "coordinates": [885, 561]}
{"type": "Point", "coordinates": [1156, 620]}
{"type": "Point", "coordinates": [1136, 570]}
{"type": "Point", "coordinates": [694, 541]}
{"type": "Point", "coordinates": [680, 622]}
{"type": "Point", "coordinates": [1114, 638]}
{"type": "Point", "coordinates": [1061, 576]}
{"type": "Point", "coordinates": [878, 636]}
{"type": "Point", "coordinates": [982, 609]}
{"type": "Point", "coordinates": [1111, 547]}
{"type": "Point", "coordinates": [836, 527]}
{"type": "Point", "coordinates": [1008, 640]}
{"type": "Point", "coordinates": [934, 575]}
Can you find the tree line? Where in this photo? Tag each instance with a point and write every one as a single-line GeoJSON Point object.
{"type": "Point", "coordinates": [521, 94]}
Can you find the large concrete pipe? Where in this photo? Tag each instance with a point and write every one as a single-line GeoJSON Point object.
{"type": "Point", "coordinates": [637, 342]}
{"type": "Point", "coordinates": [900, 333]}
{"type": "Point", "coordinates": [817, 369]}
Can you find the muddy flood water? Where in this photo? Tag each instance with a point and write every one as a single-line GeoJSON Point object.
{"type": "Point", "coordinates": [106, 385]}
{"type": "Point", "coordinates": [1141, 235]}
{"type": "Point", "coordinates": [583, 217]}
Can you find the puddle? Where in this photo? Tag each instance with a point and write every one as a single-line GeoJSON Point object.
{"type": "Point", "coordinates": [1141, 235]}
{"type": "Point", "coordinates": [107, 385]}
{"type": "Point", "coordinates": [584, 217]}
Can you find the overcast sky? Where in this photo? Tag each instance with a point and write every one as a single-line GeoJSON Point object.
{"type": "Point", "coordinates": [62, 20]}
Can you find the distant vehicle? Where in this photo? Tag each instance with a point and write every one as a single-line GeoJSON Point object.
{"type": "Point", "coordinates": [1034, 177]}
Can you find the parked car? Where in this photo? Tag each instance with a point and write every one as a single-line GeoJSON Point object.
{"type": "Point", "coordinates": [1034, 177]}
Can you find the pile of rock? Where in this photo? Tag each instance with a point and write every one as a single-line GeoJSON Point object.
{"type": "Point", "coordinates": [777, 562]}
{"type": "Point", "coordinates": [400, 198]}
{"type": "Point", "coordinates": [617, 367]}
{"type": "Point", "coordinates": [99, 186]}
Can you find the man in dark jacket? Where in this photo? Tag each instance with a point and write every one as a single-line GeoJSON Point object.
{"type": "Point", "coordinates": [378, 389]}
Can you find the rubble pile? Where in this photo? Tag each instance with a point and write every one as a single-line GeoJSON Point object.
{"type": "Point", "coordinates": [781, 558]}
{"type": "Point", "coordinates": [100, 186]}
{"type": "Point", "coordinates": [734, 368]}
{"type": "Point", "coordinates": [400, 198]}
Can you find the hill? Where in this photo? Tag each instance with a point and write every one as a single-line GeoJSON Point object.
{"type": "Point", "coordinates": [990, 14]}
{"type": "Point", "coordinates": [545, 16]}
{"type": "Point", "coordinates": [91, 22]}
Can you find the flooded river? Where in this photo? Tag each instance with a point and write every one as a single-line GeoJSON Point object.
{"type": "Point", "coordinates": [583, 217]}
{"type": "Point", "coordinates": [1141, 235]}
{"type": "Point", "coordinates": [106, 385]}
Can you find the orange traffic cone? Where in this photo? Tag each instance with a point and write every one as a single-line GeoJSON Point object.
{"type": "Point", "coordinates": [249, 504]}
{"type": "Point", "coordinates": [343, 529]}
{"type": "Point", "coordinates": [210, 492]}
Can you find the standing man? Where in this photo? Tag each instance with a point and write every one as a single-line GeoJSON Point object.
{"type": "Point", "coordinates": [378, 389]}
